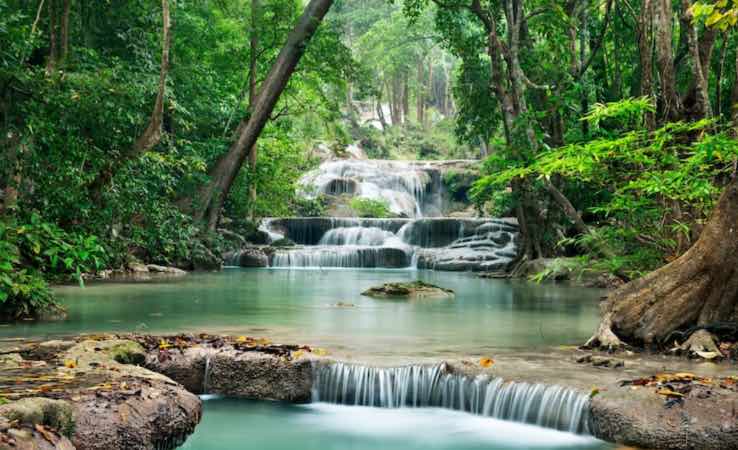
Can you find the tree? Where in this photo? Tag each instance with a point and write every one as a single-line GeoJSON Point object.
{"type": "Point", "coordinates": [210, 199]}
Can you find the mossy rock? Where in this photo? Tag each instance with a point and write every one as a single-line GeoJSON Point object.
{"type": "Point", "coordinates": [284, 242]}
{"type": "Point", "coordinates": [410, 290]}
{"type": "Point", "coordinates": [56, 414]}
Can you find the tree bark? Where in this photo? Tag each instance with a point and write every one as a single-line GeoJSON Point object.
{"type": "Point", "coordinates": [253, 68]}
{"type": "Point", "coordinates": [51, 62]}
{"type": "Point", "coordinates": [419, 92]}
{"type": "Point", "coordinates": [699, 74]}
{"type": "Point", "coordinates": [645, 50]}
{"type": "Point", "coordinates": [697, 289]}
{"type": "Point", "coordinates": [211, 197]}
{"type": "Point", "coordinates": [64, 32]}
{"type": "Point", "coordinates": [151, 136]}
{"type": "Point", "coordinates": [665, 57]}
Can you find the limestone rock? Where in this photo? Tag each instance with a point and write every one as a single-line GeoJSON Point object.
{"type": "Point", "coordinates": [415, 289]}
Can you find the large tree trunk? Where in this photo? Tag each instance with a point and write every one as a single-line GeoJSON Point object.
{"type": "Point", "coordinates": [700, 53]}
{"type": "Point", "coordinates": [64, 31]}
{"type": "Point", "coordinates": [253, 67]}
{"type": "Point", "coordinates": [698, 289]}
{"type": "Point", "coordinates": [211, 198]}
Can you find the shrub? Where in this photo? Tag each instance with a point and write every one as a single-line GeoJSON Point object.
{"type": "Point", "coordinates": [366, 207]}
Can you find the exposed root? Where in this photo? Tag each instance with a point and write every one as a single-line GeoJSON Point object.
{"type": "Point", "coordinates": [701, 343]}
{"type": "Point", "coordinates": [604, 338]}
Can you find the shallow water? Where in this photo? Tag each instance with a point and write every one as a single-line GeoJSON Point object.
{"type": "Point", "coordinates": [325, 308]}
{"type": "Point", "coordinates": [234, 424]}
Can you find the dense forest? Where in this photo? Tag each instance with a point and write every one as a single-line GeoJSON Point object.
{"type": "Point", "coordinates": [146, 131]}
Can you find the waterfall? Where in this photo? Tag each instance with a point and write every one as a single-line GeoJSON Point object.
{"type": "Point", "coordinates": [401, 184]}
{"type": "Point", "coordinates": [549, 406]}
{"type": "Point", "coordinates": [343, 256]}
{"type": "Point", "coordinates": [371, 236]}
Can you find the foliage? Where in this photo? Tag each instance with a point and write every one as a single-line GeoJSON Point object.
{"type": "Point", "coordinates": [367, 207]}
{"type": "Point", "coordinates": [644, 176]}
{"type": "Point", "coordinates": [35, 251]}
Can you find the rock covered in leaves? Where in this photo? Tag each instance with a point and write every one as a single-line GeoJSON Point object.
{"type": "Point", "coordinates": [87, 393]}
{"type": "Point", "coordinates": [411, 290]}
{"type": "Point", "coordinates": [244, 367]}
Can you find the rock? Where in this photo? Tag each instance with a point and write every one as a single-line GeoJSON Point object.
{"type": "Point", "coordinates": [234, 373]}
{"type": "Point", "coordinates": [137, 268]}
{"type": "Point", "coordinates": [284, 242]}
{"type": "Point", "coordinates": [601, 361]}
{"type": "Point", "coordinates": [91, 391]}
{"type": "Point", "coordinates": [204, 259]}
{"type": "Point", "coordinates": [154, 268]}
{"type": "Point", "coordinates": [415, 289]}
{"type": "Point", "coordinates": [251, 257]}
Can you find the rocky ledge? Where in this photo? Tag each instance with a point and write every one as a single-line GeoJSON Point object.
{"type": "Point", "coordinates": [412, 290]}
{"type": "Point", "coordinates": [90, 394]}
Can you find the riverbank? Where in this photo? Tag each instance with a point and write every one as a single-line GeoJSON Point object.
{"type": "Point", "coordinates": [646, 401]}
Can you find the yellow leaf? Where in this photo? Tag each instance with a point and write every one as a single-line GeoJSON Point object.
{"type": "Point", "coordinates": [594, 392]}
{"type": "Point", "coordinates": [241, 339]}
{"type": "Point", "coordinates": [298, 354]}
{"type": "Point", "coordinates": [70, 364]}
{"type": "Point", "coordinates": [669, 393]}
{"type": "Point", "coordinates": [320, 351]}
{"type": "Point", "coordinates": [163, 344]}
{"type": "Point", "coordinates": [486, 362]}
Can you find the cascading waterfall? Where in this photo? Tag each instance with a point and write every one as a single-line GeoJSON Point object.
{"type": "Point", "coordinates": [442, 243]}
{"type": "Point", "coordinates": [401, 184]}
{"type": "Point", "coordinates": [549, 406]}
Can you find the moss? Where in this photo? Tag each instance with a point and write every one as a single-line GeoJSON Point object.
{"type": "Point", "coordinates": [127, 352]}
{"type": "Point", "coordinates": [56, 414]}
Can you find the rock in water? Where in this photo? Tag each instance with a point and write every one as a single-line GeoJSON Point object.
{"type": "Point", "coordinates": [414, 289]}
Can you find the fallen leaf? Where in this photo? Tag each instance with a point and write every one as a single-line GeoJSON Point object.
{"type": "Point", "coordinates": [669, 393]}
{"type": "Point", "coordinates": [594, 392]}
{"type": "Point", "coordinates": [486, 362]}
{"type": "Point", "coordinates": [298, 354]}
{"type": "Point", "coordinates": [70, 363]}
{"type": "Point", "coordinates": [320, 351]}
{"type": "Point", "coordinates": [163, 344]}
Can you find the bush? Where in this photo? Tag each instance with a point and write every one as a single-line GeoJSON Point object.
{"type": "Point", "coordinates": [366, 207]}
{"type": "Point", "coordinates": [33, 253]}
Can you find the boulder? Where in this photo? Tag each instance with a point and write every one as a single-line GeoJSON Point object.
{"type": "Point", "coordinates": [165, 270]}
{"type": "Point", "coordinates": [411, 290]}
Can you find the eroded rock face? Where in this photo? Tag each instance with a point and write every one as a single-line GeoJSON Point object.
{"type": "Point", "coordinates": [705, 420]}
{"type": "Point", "coordinates": [412, 290]}
{"type": "Point", "coordinates": [493, 247]}
{"type": "Point", "coordinates": [234, 373]}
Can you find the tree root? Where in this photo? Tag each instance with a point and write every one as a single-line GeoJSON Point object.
{"type": "Point", "coordinates": [604, 338]}
{"type": "Point", "coordinates": [701, 343]}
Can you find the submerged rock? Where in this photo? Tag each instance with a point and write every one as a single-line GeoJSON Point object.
{"type": "Point", "coordinates": [414, 289]}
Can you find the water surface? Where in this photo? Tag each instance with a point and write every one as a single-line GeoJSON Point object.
{"type": "Point", "coordinates": [240, 424]}
{"type": "Point", "coordinates": [325, 308]}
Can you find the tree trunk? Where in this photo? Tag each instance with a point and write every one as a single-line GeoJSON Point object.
{"type": "Point", "coordinates": [697, 289]}
{"type": "Point", "coordinates": [419, 92]}
{"type": "Point", "coordinates": [211, 197]}
{"type": "Point", "coordinates": [405, 98]}
{"type": "Point", "coordinates": [253, 53]}
{"type": "Point", "coordinates": [699, 74]}
{"type": "Point", "coordinates": [151, 136]}
{"type": "Point", "coordinates": [734, 95]}
{"type": "Point", "coordinates": [380, 113]}
{"type": "Point", "coordinates": [665, 56]}
{"type": "Point", "coordinates": [64, 32]}
{"type": "Point", "coordinates": [428, 97]}
{"type": "Point", "coordinates": [645, 50]}
{"type": "Point", "coordinates": [51, 62]}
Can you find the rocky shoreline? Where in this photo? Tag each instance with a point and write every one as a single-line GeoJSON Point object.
{"type": "Point", "coordinates": [139, 391]}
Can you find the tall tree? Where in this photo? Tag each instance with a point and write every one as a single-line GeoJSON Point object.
{"type": "Point", "coordinates": [211, 197]}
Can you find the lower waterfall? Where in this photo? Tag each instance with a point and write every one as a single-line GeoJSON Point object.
{"type": "Point", "coordinates": [548, 406]}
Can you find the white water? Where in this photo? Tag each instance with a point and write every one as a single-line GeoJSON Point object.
{"type": "Point", "coordinates": [359, 236]}
{"type": "Point", "coordinates": [433, 386]}
{"type": "Point", "coordinates": [402, 185]}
